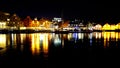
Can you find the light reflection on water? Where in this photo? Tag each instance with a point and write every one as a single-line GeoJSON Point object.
{"type": "Point", "coordinates": [3, 42]}
{"type": "Point", "coordinates": [40, 42]}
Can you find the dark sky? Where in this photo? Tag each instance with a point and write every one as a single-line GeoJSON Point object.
{"type": "Point", "coordinates": [92, 9]}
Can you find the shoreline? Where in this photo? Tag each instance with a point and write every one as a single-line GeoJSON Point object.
{"type": "Point", "coordinates": [49, 31]}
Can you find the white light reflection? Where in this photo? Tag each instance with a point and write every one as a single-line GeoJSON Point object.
{"type": "Point", "coordinates": [41, 36]}
{"type": "Point", "coordinates": [90, 37]}
{"type": "Point", "coordinates": [97, 35]}
{"type": "Point", "coordinates": [57, 40]}
{"type": "Point", "coordinates": [80, 35]}
{"type": "Point", "coordinates": [13, 40]}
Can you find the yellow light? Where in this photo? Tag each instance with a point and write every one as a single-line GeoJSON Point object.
{"type": "Point", "coordinates": [113, 27]}
{"type": "Point", "coordinates": [3, 42]}
{"type": "Point", "coordinates": [116, 36]}
{"type": "Point", "coordinates": [113, 35]}
{"type": "Point", "coordinates": [106, 36]}
{"type": "Point", "coordinates": [45, 45]}
{"type": "Point", "coordinates": [118, 26]}
{"type": "Point", "coordinates": [106, 27]}
{"type": "Point", "coordinates": [35, 44]}
{"type": "Point", "coordinates": [23, 36]}
{"type": "Point", "coordinates": [22, 28]}
{"type": "Point", "coordinates": [119, 35]}
{"type": "Point", "coordinates": [69, 36]}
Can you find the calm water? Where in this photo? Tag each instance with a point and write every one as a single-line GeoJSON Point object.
{"type": "Point", "coordinates": [53, 50]}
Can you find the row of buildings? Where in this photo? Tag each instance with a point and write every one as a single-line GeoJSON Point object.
{"type": "Point", "coordinates": [8, 21]}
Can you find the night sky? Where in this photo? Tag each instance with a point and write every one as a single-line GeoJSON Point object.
{"type": "Point", "coordinates": [94, 10]}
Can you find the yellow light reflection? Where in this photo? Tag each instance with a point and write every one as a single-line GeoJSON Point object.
{"type": "Point", "coordinates": [106, 36]}
{"type": "Point", "coordinates": [35, 44]}
{"type": "Point", "coordinates": [62, 43]}
{"type": "Point", "coordinates": [110, 36]}
{"type": "Point", "coordinates": [69, 36]}
{"type": "Point", "coordinates": [45, 44]}
{"type": "Point", "coordinates": [113, 35]}
{"type": "Point", "coordinates": [49, 37]}
{"type": "Point", "coordinates": [119, 35]}
{"type": "Point", "coordinates": [2, 42]}
{"type": "Point", "coordinates": [22, 37]}
{"type": "Point", "coordinates": [116, 36]}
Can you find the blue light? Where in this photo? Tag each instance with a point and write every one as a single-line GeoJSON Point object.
{"type": "Point", "coordinates": [75, 35]}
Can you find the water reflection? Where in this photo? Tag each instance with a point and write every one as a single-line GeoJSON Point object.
{"type": "Point", "coordinates": [45, 44]}
{"type": "Point", "coordinates": [57, 40]}
{"type": "Point", "coordinates": [110, 37]}
{"type": "Point", "coordinates": [39, 43]}
{"type": "Point", "coordinates": [2, 42]}
{"type": "Point", "coordinates": [35, 43]}
{"type": "Point", "coordinates": [90, 37]}
{"type": "Point", "coordinates": [12, 40]}
{"type": "Point", "coordinates": [80, 35]}
{"type": "Point", "coordinates": [97, 35]}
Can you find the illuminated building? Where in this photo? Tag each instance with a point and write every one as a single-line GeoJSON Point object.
{"type": "Point", "coordinates": [112, 27]}
{"type": "Point", "coordinates": [35, 23]}
{"type": "Point", "coordinates": [98, 27]}
{"type": "Point", "coordinates": [57, 19]}
{"type": "Point", "coordinates": [3, 25]}
{"type": "Point", "coordinates": [76, 24]}
{"type": "Point", "coordinates": [118, 26]}
{"type": "Point", "coordinates": [106, 27]}
{"type": "Point", "coordinates": [90, 26]}
{"type": "Point", "coordinates": [14, 21]}
{"type": "Point", "coordinates": [109, 27]}
{"type": "Point", "coordinates": [4, 19]}
{"type": "Point", "coordinates": [27, 21]}
{"type": "Point", "coordinates": [57, 22]}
